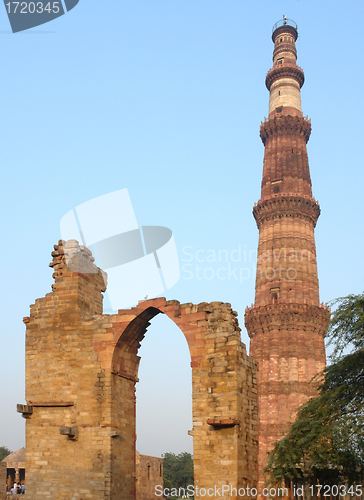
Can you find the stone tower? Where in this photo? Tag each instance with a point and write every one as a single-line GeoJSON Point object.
{"type": "Point", "coordinates": [286, 324]}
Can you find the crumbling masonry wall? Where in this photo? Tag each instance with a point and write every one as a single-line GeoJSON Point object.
{"type": "Point", "coordinates": [149, 473]}
{"type": "Point", "coordinates": [81, 370]}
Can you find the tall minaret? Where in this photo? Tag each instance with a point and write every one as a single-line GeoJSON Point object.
{"type": "Point", "coordinates": [286, 324]}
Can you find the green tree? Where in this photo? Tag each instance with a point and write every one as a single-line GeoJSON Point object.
{"type": "Point", "coordinates": [177, 470]}
{"type": "Point", "coordinates": [4, 452]}
{"type": "Point", "coordinates": [326, 442]}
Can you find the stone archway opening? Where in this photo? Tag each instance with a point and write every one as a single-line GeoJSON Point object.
{"type": "Point", "coordinates": [126, 373]}
{"type": "Point", "coordinates": [164, 391]}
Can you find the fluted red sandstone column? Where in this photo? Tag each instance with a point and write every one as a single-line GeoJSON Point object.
{"type": "Point", "coordinates": [286, 324]}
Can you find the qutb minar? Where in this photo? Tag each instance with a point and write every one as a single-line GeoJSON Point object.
{"type": "Point", "coordinates": [82, 364]}
{"type": "Point", "coordinates": [286, 324]}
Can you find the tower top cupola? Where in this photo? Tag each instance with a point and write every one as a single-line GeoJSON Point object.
{"type": "Point", "coordinates": [285, 79]}
{"type": "Point", "coordinates": [284, 26]}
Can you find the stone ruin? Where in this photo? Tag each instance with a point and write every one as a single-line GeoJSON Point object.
{"type": "Point", "coordinates": [81, 371]}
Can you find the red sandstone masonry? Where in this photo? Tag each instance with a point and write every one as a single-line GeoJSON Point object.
{"type": "Point", "coordinates": [287, 324]}
{"type": "Point", "coordinates": [75, 353]}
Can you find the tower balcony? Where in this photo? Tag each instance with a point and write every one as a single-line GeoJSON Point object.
{"type": "Point", "coordinates": [285, 124]}
{"type": "Point", "coordinates": [285, 70]}
{"type": "Point", "coordinates": [286, 206]}
{"type": "Point", "coordinates": [289, 315]}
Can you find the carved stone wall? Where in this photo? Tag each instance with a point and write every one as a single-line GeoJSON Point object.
{"type": "Point", "coordinates": [3, 478]}
{"type": "Point", "coordinates": [81, 370]}
{"type": "Point", "coordinates": [149, 473]}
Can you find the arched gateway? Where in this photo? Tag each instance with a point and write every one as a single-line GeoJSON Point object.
{"type": "Point", "coordinates": [81, 370]}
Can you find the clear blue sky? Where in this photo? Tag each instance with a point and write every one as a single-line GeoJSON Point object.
{"type": "Point", "coordinates": [165, 98]}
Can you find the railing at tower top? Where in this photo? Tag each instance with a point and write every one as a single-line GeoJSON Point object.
{"type": "Point", "coordinates": [284, 22]}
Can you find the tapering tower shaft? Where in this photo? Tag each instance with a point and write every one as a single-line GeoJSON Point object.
{"type": "Point", "coordinates": [286, 324]}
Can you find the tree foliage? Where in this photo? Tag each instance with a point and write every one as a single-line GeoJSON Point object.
{"type": "Point", "coordinates": [4, 452]}
{"type": "Point", "coordinates": [177, 470]}
{"type": "Point", "coordinates": [326, 442]}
